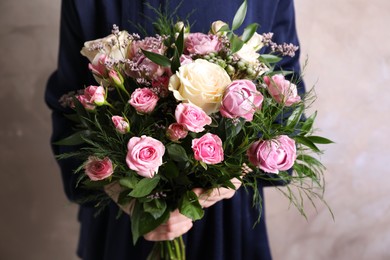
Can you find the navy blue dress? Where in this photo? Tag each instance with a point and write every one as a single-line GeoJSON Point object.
{"type": "Point", "coordinates": [226, 230]}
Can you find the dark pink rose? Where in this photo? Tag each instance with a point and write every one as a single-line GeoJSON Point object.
{"type": "Point", "coordinates": [98, 169]}
{"type": "Point", "coordinates": [273, 155]}
{"type": "Point", "coordinates": [176, 131]}
{"type": "Point", "coordinates": [143, 100]}
{"type": "Point", "coordinates": [192, 117]}
{"type": "Point", "coordinates": [208, 149]}
{"type": "Point", "coordinates": [241, 99]}
{"type": "Point", "coordinates": [200, 43]}
{"type": "Point", "coordinates": [144, 155]}
{"type": "Point", "coordinates": [121, 124]}
{"type": "Point", "coordinates": [282, 90]}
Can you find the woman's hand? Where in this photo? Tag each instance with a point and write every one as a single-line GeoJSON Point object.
{"type": "Point", "coordinates": [176, 225]}
{"type": "Point", "coordinates": [208, 198]}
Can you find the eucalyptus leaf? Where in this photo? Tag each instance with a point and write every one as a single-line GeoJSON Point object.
{"type": "Point", "coordinates": [249, 31]}
{"type": "Point", "coordinates": [239, 16]}
{"type": "Point", "coordinates": [157, 58]}
{"type": "Point", "coordinates": [269, 58]}
{"type": "Point", "coordinates": [144, 187]}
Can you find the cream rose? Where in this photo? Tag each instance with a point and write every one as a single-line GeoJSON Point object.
{"type": "Point", "coordinates": [249, 51]}
{"type": "Point", "coordinates": [105, 46]}
{"type": "Point", "coordinates": [216, 26]}
{"type": "Point", "coordinates": [201, 83]}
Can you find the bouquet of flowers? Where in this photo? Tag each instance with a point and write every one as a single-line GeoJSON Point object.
{"type": "Point", "coordinates": [184, 110]}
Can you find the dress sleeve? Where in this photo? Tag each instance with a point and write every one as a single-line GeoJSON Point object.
{"type": "Point", "coordinates": [71, 74]}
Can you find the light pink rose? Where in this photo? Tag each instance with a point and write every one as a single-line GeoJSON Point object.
{"type": "Point", "coordinates": [176, 131]}
{"type": "Point", "coordinates": [185, 59]}
{"type": "Point", "coordinates": [208, 149]}
{"type": "Point", "coordinates": [241, 99]}
{"type": "Point", "coordinates": [98, 66]}
{"type": "Point", "coordinates": [200, 43]}
{"type": "Point", "coordinates": [145, 155]}
{"type": "Point", "coordinates": [282, 90]}
{"type": "Point", "coordinates": [274, 155]}
{"type": "Point", "coordinates": [98, 169]}
{"type": "Point", "coordinates": [93, 96]}
{"type": "Point", "coordinates": [143, 100]}
{"type": "Point", "coordinates": [192, 117]}
{"type": "Point", "coordinates": [121, 124]}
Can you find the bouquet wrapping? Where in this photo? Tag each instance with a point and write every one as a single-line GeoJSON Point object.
{"type": "Point", "coordinates": [183, 110]}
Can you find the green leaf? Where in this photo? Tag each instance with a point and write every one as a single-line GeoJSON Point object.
{"type": "Point", "coordinates": [157, 58]}
{"type": "Point", "coordinates": [175, 65]}
{"type": "Point", "coordinates": [308, 124]}
{"type": "Point", "coordinates": [177, 153]}
{"type": "Point", "coordinates": [143, 222]}
{"type": "Point", "coordinates": [224, 28]}
{"type": "Point", "coordinates": [249, 31]}
{"type": "Point", "coordinates": [236, 43]}
{"type": "Point", "coordinates": [189, 206]}
{"type": "Point", "coordinates": [239, 16]}
{"type": "Point", "coordinates": [319, 139]}
{"type": "Point", "coordinates": [295, 116]}
{"type": "Point", "coordinates": [269, 58]}
{"type": "Point", "coordinates": [129, 182]}
{"type": "Point", "coordinates": [233, 128]}
{"type": "Point", "coordinates": [305, 141]}
{"type": "Point", "coordinates": [180, 42]}
{"type": "Point", "coordinates": [155, 207]}
{"type": "Point", "coordinates": [171, 171]}
{"type": "Point", "coordinates": [144, 187]}
{"type": "Point", "coordinates": [74, 139]}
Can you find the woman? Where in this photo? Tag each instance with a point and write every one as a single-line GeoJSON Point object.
{"type": "Point", "coordinates": [226, 230]}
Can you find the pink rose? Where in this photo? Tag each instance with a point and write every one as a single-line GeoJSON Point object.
{"type": "Point", "coordinates": [121, 124]}
{"type": "Point", "coordinates": [176, 131]}
{"type": "Point", "coordinates": [93, 96]}
{"type": "Point", "coordinates": [98, 66]}
{"type": "Point", "coordinates": [200, 43]}
{"type": "Point", "coordinates": [143, 100]}
{"type": "Point", "coordinates": [241, 99]}
{"type": "Point", "coordinates": [185, 59]}
{"type": "Point", "coordinates": [208, 149]}
{"type": "Point", "coordinates": [273, 155]}
{"type": "Point", "coordinates": [98, 169]}
{"type": "Point", "coordinates": [282, 90]}
{"type": "Point", "coordinates": [192, 117]}
{"type": "Point", "coordinates": [144, 155]}
{"type": "Point", "coordinates": [140, 66]}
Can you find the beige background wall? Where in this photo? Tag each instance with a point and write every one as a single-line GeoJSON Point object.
{"type": "Point", "coordinates": [348, 45]}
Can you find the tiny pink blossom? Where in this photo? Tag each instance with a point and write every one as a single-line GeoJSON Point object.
{"type": "Point", "coordinates": [121, 124]}
{"type": "Point", "coordinates": [200, 43]}
{"type": "Point", "coordinates": [282, 90]}
{"type": "Point", "coordinates": [241, 99]}
{"type": "Point", "coordinates": [98, 169]}
{"type": "Point", "coordinates": [143, 100]}
{"type": "Point", "coordinates": [192, 117]}
{"type": "Point", "coordinates": [144, 155]}
{"type": "Point", "coordinates": [274, 155]}
{"type": "Point", "coordinates": [176, 131]}
{"type": "Point", "coordinates": [208, 149]}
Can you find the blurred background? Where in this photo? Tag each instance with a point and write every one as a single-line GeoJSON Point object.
{"type": "Point", "coordinates": [348, 46]}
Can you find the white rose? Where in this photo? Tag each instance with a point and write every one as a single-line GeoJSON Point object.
{"type": "Point", "coordinates": [248, 52]}
{"type": "Point", "coordinates": [202, 83]}
{"type": "Point", "coordinates": [114, 51]}
{"type": "Point", "coordinates": [215, 26]}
